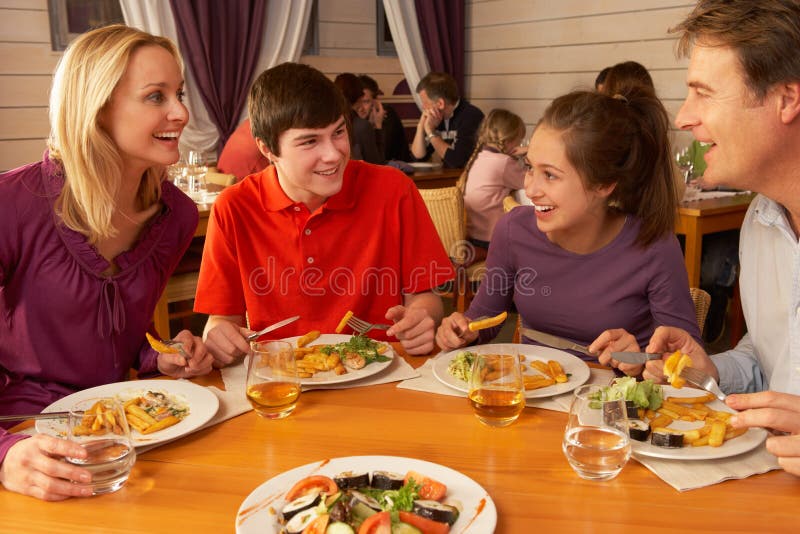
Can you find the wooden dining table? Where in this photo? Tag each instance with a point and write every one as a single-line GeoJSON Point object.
{"type": "Point", "coordinates": [197, 483]}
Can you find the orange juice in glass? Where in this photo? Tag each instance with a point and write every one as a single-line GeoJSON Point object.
{"type": "Point", "coordinates": [273, 386]}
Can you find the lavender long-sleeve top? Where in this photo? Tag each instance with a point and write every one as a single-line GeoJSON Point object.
{"type": "Point", "coordinates": [578, 296]}
{"type": "Point", "coordinates": [63, 325]}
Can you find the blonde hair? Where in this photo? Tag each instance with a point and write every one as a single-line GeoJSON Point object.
{"type": "Point", "coordinates": [498, 128]}
{"type": "Point", "coordinates": [84, 80]}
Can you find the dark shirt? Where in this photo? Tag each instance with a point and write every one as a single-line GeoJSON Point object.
{"type": "Point", "coordinates": [395, 142]}
{"type": "Point", "coordinates": [461, 133]}
{"type": "Point", "coordinates": [367, 142]}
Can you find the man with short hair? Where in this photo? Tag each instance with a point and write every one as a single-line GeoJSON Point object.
{"type": "Point", "coordinates": [448, 125]}
{"type": "Point", "coordinates": [317, 234]}
{"type": "Point", "coordinates": [744, 100]}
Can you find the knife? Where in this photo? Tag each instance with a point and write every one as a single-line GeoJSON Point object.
{"type": "Point", "coordinates": [553, 341]}
{"type": "Point", "coordinates": [270, 328]}
{"type": "Point", "coordinates": [635, 357]}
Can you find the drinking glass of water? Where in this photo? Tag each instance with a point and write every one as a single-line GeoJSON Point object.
{"type": "Point", "coordinates": [99, 425]}
{"type": "Point", "coordinates": [596, 441]}
{"type": "Point", "coordinates": [496, 389]}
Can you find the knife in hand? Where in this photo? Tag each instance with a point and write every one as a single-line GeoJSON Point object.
{"type": "Point", "coordinates": [554, 341]}
{"type": "Point", "coordinates": [270, 328]}
{"type": "Point", "coordinates": [635, 357]}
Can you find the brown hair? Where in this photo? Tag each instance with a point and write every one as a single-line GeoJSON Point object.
{"type": "Point", "coordinates": [622, 140]}
{"type": "Point", "coordinates": [439, 85]}
{"type": "Point", "coordinates": [498, 128]}
{"type": "Point", "coordinates": [765, 35]}
{"type": "Point", "coordinates": [623, 75]}
{"type": "Point", "coordinates": [293, 95]}
{"type": "Point", "coordinates": [350, 86]}
{"type": "Point", "coordinates": [84, 81]}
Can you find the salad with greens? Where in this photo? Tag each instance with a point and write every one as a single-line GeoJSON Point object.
{"type": "Point", "coordinates": [644, 394]}
{"type": "Point", "coordinates": [461, 365]}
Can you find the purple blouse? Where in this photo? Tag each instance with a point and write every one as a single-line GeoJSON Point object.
{"type": "Point", "coordinates": [578, 296]}
{"type": "Point", "coordinates": [64, 326]}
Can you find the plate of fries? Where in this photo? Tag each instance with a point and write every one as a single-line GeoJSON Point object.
{"type": "Point", "coordinates": [688, 410]}
{"type": "Point", "coordinates": [542, 378]}
{"type": "Point", "coordinates": [186, 407]}
{"type": "Point", "coordinates": [317, 368]}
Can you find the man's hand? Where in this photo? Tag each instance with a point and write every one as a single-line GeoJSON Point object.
{"type": "Point", "coordinates": [33, 466]}
{"type": "Point", "coordinates": [433, 117]}
{"type": "Point", "coordinates": [616, 340]}
{"type": "Point", "coordinates": [776, 411]}
{"type": "Point", "coordinates": [177, 366]}
{"type": "Point", "coordinates": [668, 339]}
{"type": "Point", "coordinates": [377, 114]}
{"type": "Point", "coordinates": [226, 339]}
{"type": "Point", "coordinates": [454, 332]}
{"type": "Point", "coordinates": [413, 327]}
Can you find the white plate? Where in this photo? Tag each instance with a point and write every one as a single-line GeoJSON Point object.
{"type": "Point", "coordinates": [203, 405]}
{"type": "Point", "coordinates": [572, 365]}
{"type": "Point", "coordinates": [329, 377]}
{"type": "Point", "coordinates": [747, 441]}
{"type": "Point", "coordinates": [478, 511]}
{"type": "Point", "coordinates": [423, 166]}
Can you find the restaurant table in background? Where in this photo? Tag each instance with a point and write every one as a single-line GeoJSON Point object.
{"type": "Point", "coordinates": [697, 218]}
{"type": "Point", "coordinates": [197, 483]}
{"type": "Point", "coordinates": [436, 178]}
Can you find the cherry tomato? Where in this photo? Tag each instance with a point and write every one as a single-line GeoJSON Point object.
{"type": "Point", "coordinates": [380, 523]}
{"type": "Point", "coordinates": [307, 484]}
{"type": "Point", "coordinates": [430, 488]}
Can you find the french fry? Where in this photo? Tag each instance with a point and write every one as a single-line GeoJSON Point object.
{"type": "Point", "coordinates": [135, 422]}
{"type": "Point", "coordinates": [308, 338]}
{"type": "Point", "coordinates": [141, 414]}
{"type": "Point", "coordinates": [542, 367]}
{"type": "Point", "coordinates": [708, 397]}
{"type": "Point", "coordinates": [556, 371]}
{"type": "Point", "coordinates": [537, 381]}
{"type": "Point", "coordinates": [161, 425]}
{"type": "Point", "coordinates": [717, 435]}
{"type": "Point", "coordinates": [474, 326]}
{"type": "Point", "coordinates": [700, 442]}
{"type": "Point", "coordinates": [734, 433]}
{"type": "Point", "coordinates": [669, 413]}
{"type": "Point", "coordinates": [661, 421]}
{"type": "Point", "coordinates": [343, 322]}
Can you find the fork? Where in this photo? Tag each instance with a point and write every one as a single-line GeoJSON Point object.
{"type": "Point", "coordinates": [362, 327]}
{"type": "Point", "coordinates": [179, 346]}
{"type": "Point", "coordinates": [702, 380]}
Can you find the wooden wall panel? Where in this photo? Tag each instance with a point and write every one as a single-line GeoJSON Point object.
{"type": "Point", "coordinates": [40, 5]}
{"type": "Point", "coordinates": [347, 35]}
{"type": "Point", "coordinates": [23, 123]}
{"type": "Point", "coordinates": [499, 12]}
{"type": "Point", "coordinates": [362, 11]}
{"type": "Point", "coordinates": [20, 152]}
{"type": "Point", "coordinates": [27, 58]}
{"type": "Point", "coordinates": [24, 25]}
{"type": "Point", "coordinates": [18, 91]}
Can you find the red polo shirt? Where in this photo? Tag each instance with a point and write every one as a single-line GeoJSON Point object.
{"type": "Point", "coordinates": [365, 247]}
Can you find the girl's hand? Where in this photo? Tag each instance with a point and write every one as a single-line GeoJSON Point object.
{"type": "Point", "coordinates": [454, 332]}
{"type": "Point", "coordinates": [177, 366]}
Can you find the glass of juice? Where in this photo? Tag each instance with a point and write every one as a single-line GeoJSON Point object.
{"type": "Point", "coordinates": [273, 386]}
{"type": "Point", "coordinates": [596, 441]}
{"type": "Point", "coordinates": [100, 426]}
{"type": "Point", "coordinates": [496, 390]}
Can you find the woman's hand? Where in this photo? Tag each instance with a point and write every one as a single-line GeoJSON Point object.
{"type": "Point", "coordinates": [668, 339]}
{"type": "Point", "coordinates": [177, 366]}
{"type": "Point", "coordinates": [33, 466]}
{"type": "Point", "coordinates": [616, 340]}
{"type": "Point", "coordinates": [454, 332]}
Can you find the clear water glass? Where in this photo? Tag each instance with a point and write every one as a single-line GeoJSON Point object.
{"type": "Point", "coordinates": [196, 172]}
{"type": "Point", "coordinates": [596, 441]}
{"type": "Point", "coordinates": [100, 426]}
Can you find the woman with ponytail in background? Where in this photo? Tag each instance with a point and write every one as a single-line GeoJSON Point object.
{"type": "Point", "coordinates": [594, 259]}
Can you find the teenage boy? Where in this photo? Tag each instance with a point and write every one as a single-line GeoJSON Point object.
{"type": "Point", "coordinates": [316, 234]}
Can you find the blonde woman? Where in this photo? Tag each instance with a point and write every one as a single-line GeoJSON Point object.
{"type": "Point", "coordinates": [90, 235]}
{"type": "Point", "coordinates": [493, 171]}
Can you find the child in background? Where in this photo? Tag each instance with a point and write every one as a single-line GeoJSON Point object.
{"type": "Point", "coordinates": [492, 172]}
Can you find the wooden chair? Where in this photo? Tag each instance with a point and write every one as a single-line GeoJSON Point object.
{"type": "Point", "coordinates": [446, 208]}
{"type": "Point", "coordinates": [220, 178]}
{"type": "Point", "coordinates": [509, 203]}
{"type": "Point", "coordinates": [702, 302]}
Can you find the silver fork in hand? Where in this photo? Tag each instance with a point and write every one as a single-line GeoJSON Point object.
{"type": "Point", "coordinates": [362, 327]}
{"type": "Point", "coordinates": [702, 380]}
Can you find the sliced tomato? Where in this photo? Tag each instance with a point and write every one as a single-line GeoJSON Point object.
{"type": "Point", "coordinates": [307, 484]}
{"type": "Point", "coordinates": [430, 488]}
{"type": "Point", "coordinates": [427, 526]}
{"type": "Point", "coordinates": [380, 523]}
{"type": "Point", "coordinates": [318, 525]}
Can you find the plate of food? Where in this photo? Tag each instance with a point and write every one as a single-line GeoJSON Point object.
{"type": "Point", "coordinates": [157, 410]}
{"type": "Point", "coordinates": [336, 358]}
{"type": "Point", "coordinates": [680, 429]}
{"type": "Point", "coordinates": [360, 490]}
{"type": "Point", "coordinates": [452, 368]}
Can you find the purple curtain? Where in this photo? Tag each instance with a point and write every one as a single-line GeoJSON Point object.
{"type": "Point", "coordinates": [442, 28]}
{"type": "Point", "coordinates": [221, 42]}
